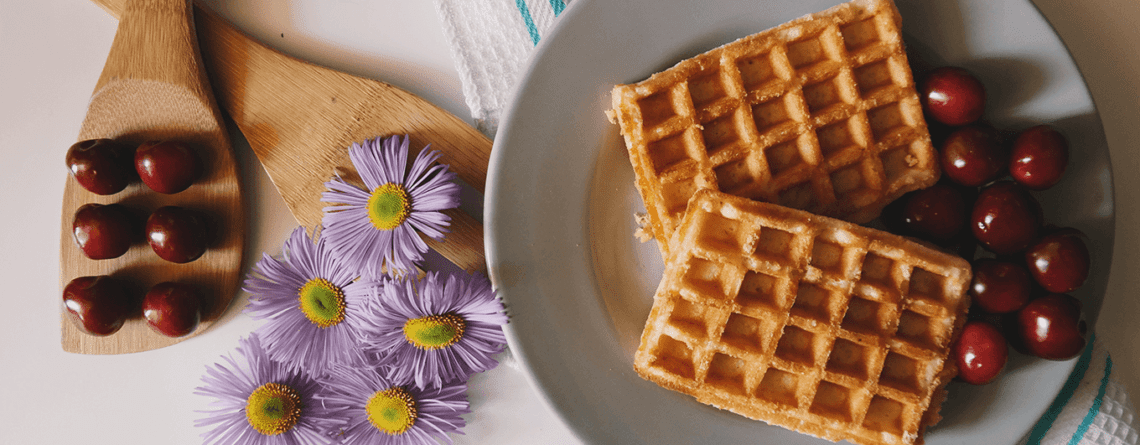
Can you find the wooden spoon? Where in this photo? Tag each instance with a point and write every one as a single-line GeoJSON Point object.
{"type": "Point", "coordinates": [300, 118]}
{"type": "Point", "coordinates": [154, 86]}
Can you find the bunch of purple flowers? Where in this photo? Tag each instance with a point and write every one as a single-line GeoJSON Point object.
{"type": "Point", "coordinates": [355, 347]}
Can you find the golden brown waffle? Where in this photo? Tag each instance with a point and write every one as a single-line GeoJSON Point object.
{"type": "Point", "coordinates": [819, 114]}
{"type": "Point", "coordinates": [811, 323]}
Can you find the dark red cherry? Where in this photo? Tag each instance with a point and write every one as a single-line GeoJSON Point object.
{"type": "Point", "coordinates": [1059, 261]}
{"type": "Point", "coordinates": [98, 305]}
{"type": "Point", "coordinates": [1039, 157]}
{"type": "Point", "coordinates": [1051, 327]}
{"type": "Point", "coordinates": [953, 96]}
{"type": "Point", "coordinates": [937, 213]}
{"type": "Point", "coordinates": [167, 166]}
{"type": "Point", "coordinates": [980, 352]}
{"type": "Point", "coordinates": [102, 166]}
{"type": "Point", "coordinates": [104, 231]}
{"type": "Point", "coordinates": [1006, 218]}
{"type": "Point", "coordinates": [973, 156]}
{"type": "Point", "coordinates": [172, 309]}
{"type": "Point", "coordinates": [999, 286]}
{"type": "Point", "coordinates": [178, 234]}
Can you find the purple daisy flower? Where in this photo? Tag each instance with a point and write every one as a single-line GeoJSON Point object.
{"type": "Point", "coordinates": [376, 226]}
{"type": "Point", "coordinates": [378, 411]}
{"type": "Point", "coordinates": [313, 306]}
{"type": "Point", "coordinates": [259, 401]}
{"type": "Point", "coordinates": [432, 331]}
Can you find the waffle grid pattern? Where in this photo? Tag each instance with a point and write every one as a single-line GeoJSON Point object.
{"type": "Point", "coordinates": [784, 316]}
{"type": "Point", "coordinates": [819, 114]}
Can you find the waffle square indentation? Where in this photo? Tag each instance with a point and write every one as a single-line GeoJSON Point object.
{"type": "Point", "coordinates": [922, 331]}
{"type": "Point", "coordinates": [657, 108]}
{"type": "Point", "coordinates": [849, 181]}
{"type": "Point", "coordinates": [834, 401]}
{"type": "Point", "coordinates": [705, 278]}
{"type": "Point", "coordinates": [720, 133]}
{"type": "Point", "coordinates": [780, 387]}
{"type": "Point", "coordinates": [772, 113]}
{"type": "Point", "coordinates": [886, 119]}
{"type": "Point", "coordinates": [827, 256]}
{"type": "Point", "coordinates": [756, 71]}
{"type": "Point", "coordinates": [807, 52]}
{"type": "Point", "coordinates": [851, 359]}
{"type": "Point", "coordinates": [760, 290]}
{"type": "Point", "coordinates": [835, 137]}
{"type": "Point", "coordinates": [877, 270]}
{"type": "Point", "coordinates": [867, 317]}
{"type": "Point", "coordinates": [815, 302]}
{"type": "Point", "coordinates": [727, 373]}
{"type": "Point", "coordinates": [735, 176]}
{"type": "Point", "coordinates": [690, 318]}
{"type": "Point", "coordinates": [784, 156]}
{"type": "Point", "coordinates": [818, 96]}
{"type": "Point", "coordinates": [773, 244]}
{"type": "Point", "coordinates": [899, 163]}
{"type": "Point", "coordinates": [707, 89]}
{"type": "Point", "coordinates": [746, 333]}
{"type": "Point", "coordinates": [904, 374]}
{"type": "Point", "coordinates": [668, 152]}
{"type": "Point", "coordinates": [884, 415]}
{"type": "Point", "coordinates": [722, 234]}
{"type": "Point", "coordinates": [674, 356]}
{"type": "Point", "coordinates": [798, 345]}
{"type": "Point", "coordinates": [927, 285]}
{"type": "Point", "coordinates": [859, 35]}
{"type": "Point", "coordinates": [873, 76]}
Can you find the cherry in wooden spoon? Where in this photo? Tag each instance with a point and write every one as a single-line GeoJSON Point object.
{"type": "Point", "coordinates": [154, 87]}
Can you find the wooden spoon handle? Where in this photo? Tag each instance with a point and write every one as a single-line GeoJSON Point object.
{"type": "Point", "coordinates": [300, 118]}
{"type": "Point", "coordinates": [164, 39]}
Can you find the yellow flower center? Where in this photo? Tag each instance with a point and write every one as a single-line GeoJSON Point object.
{"type": "Point", "coordinates": [322, 302]}
{"type": "Point", "coordinates": [389, 206]}
{"type": "Point", "coordinates": [273, 409]}
{"type": "Point", "coordinates": [434, 331]}
{"type": "Point", "coordinates": [392, 411]}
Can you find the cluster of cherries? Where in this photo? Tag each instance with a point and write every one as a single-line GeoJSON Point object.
{"type": "Point", "coordinates": [101, 304]}
{"type": "Point", "coordinates": [1019, 289]}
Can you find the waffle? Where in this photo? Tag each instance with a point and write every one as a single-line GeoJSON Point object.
{"type": "Point", "coordinates": [818, 114]}
{"type": "Point", "coordinates": [811, 323]}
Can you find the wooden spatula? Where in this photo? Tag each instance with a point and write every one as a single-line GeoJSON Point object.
{"type": "Point", "coordinates": [300, 118]}
{"type": "Point", "coordinates": [154, 87]}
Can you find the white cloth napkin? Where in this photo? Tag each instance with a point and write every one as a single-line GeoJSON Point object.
{"type": "Point", "coordinates": [1092, 408]}
{"type": "Point", "coordinates": [491, 42]}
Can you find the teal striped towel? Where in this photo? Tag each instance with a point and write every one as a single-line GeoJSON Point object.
{"type": "Point", "coordinates": [491, 42]}
{"type": "Point", "coordinates": [1092, 408]}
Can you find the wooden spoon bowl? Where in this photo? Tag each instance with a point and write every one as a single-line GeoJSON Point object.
{"type": "Point", "coordinates": [154, 87]}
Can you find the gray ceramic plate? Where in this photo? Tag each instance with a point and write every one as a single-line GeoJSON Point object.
{"type": "Point", "coordinates": [560, 205]}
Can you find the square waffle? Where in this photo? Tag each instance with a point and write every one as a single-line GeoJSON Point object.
{"type": "Point", "coordinates": [818, 114]}
{"type": "Point", "coordinates": [811, 323]}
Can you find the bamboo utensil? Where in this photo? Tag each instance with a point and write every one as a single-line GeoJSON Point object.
{"type": "Point", "coordinates": [154, 87]}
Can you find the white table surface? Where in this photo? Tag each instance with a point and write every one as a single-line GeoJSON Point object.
{"type": "Point", "coordinates": [51, 54]}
